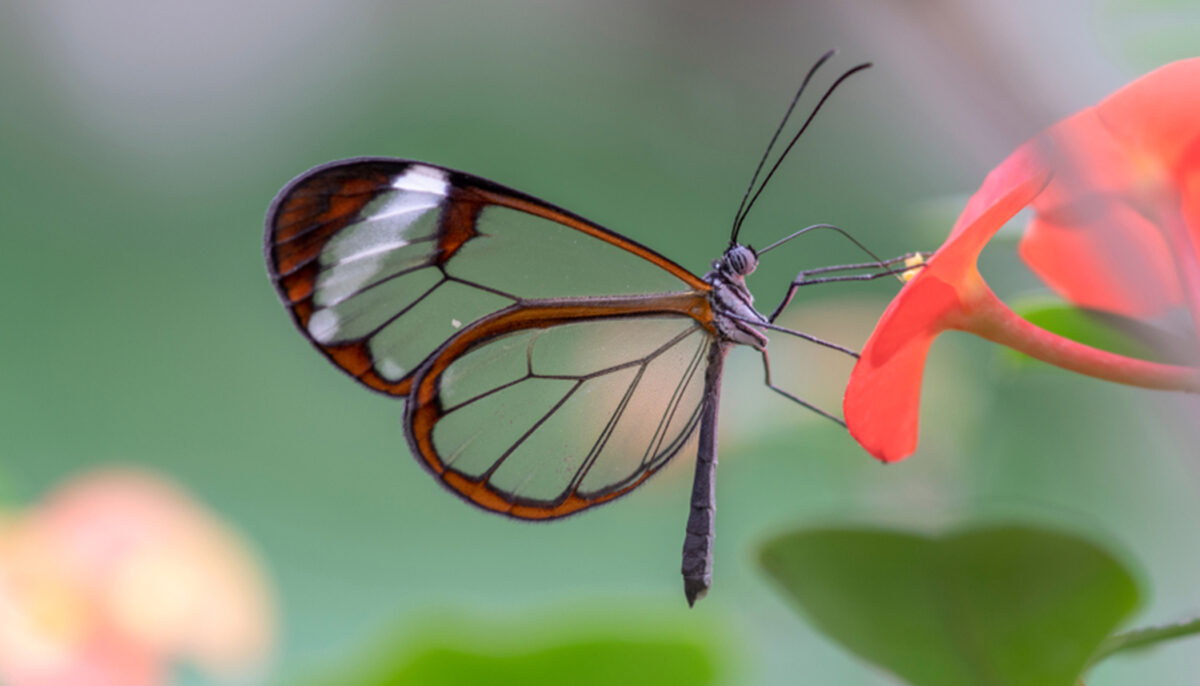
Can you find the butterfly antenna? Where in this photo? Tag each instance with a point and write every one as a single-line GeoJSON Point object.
{"type": "Point", "coordinates": [778, 130]}
{"type": "Point", "coordinates": [741, 217]}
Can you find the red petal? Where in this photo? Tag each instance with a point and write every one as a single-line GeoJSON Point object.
{"type": "Point", "coordinates": [1158, 115]}
{"type": "Point", "coordinates": [1121, 264]}
{"type": "Point", "coordinates": [1018, 169]}
{"type": "Point", "coordinates": [1190, 209]}
{"type": "Point", "coordinates": [1120, 168]}
{"type": "Point", "coordinates": [882, 399]}
{"type": "Point", "coordinates": [883, 396]}
{"type": "Point", "coordinates": [1185, 240]}
{"type": "Point", "coordinates": [1091, 241]}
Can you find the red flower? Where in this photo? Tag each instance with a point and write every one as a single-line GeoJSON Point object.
{"type": "Point", "coordinates": [1115, 191]}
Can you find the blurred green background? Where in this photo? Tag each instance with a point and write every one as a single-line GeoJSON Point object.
{"type": "Point", "coordinates": [140, 143]}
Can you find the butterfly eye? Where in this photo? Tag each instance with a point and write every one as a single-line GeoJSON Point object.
{"type": "Point", "coordinates": [741, 260]}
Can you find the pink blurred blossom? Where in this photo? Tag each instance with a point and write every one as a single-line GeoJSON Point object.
{"type": "Point", "coordinates": [118, 573]}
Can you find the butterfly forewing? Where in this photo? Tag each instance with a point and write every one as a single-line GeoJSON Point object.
{"type": "Point", "coordinates": [382, 260]}
{"type": "Point", "coordinates": [544, 421]}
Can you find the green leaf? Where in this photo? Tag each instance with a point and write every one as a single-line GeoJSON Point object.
{"type": "Point", "coordinates": [643, 650]}
{"type": "Point", "coordinates": [1003, 606]}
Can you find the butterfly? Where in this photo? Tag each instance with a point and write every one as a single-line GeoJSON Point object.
{"type": "Point", "coordinates": [547, 364]}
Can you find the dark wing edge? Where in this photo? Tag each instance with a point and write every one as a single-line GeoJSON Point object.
{"type": "Point", "coordinates": [324, 209]}
{"type": "Point", "coordinates": [313, 207]}
{"type": "Point", "coordinates": [424, 408]}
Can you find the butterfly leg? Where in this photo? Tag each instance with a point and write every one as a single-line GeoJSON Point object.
{"type": "Point", "coordinates": [811, 277]}
{"type": "Point", "coordinates": [796, 399]}
{"type": "Point", "coordinates": [798, 334]}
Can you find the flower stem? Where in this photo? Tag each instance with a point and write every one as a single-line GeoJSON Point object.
{"type": "Point", "coordinates": [991, 319]}
{"type": "Point", "coordinates": [1143, 638]}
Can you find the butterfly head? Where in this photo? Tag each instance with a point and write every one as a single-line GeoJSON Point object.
{"type": "Point", "coordinates": [738, 260]}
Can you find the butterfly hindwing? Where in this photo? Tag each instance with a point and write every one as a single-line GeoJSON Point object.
{"type": "Point", "coordinates": [539, 412]}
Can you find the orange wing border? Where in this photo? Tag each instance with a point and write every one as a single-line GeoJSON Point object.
{"type": "Point", "coordinates": [313, 207]}
{"type": "Point", "coordinates": [423, 409]}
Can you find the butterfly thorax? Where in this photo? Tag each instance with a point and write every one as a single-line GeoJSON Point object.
{"type": "Point", "coordinates": [732, 303]}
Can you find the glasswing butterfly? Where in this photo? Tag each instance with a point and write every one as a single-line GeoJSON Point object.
{"type": "Point", "coordinates": [547, 364]}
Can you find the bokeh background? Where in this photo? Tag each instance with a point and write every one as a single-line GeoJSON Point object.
{"type": "Point", "coordinates": [140, 143]}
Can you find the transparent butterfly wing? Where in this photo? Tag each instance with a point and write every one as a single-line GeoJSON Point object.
{"type": "Point", "coordinates": [541, 416]}
{"type": "Point", "coordinates": [381, 260]}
